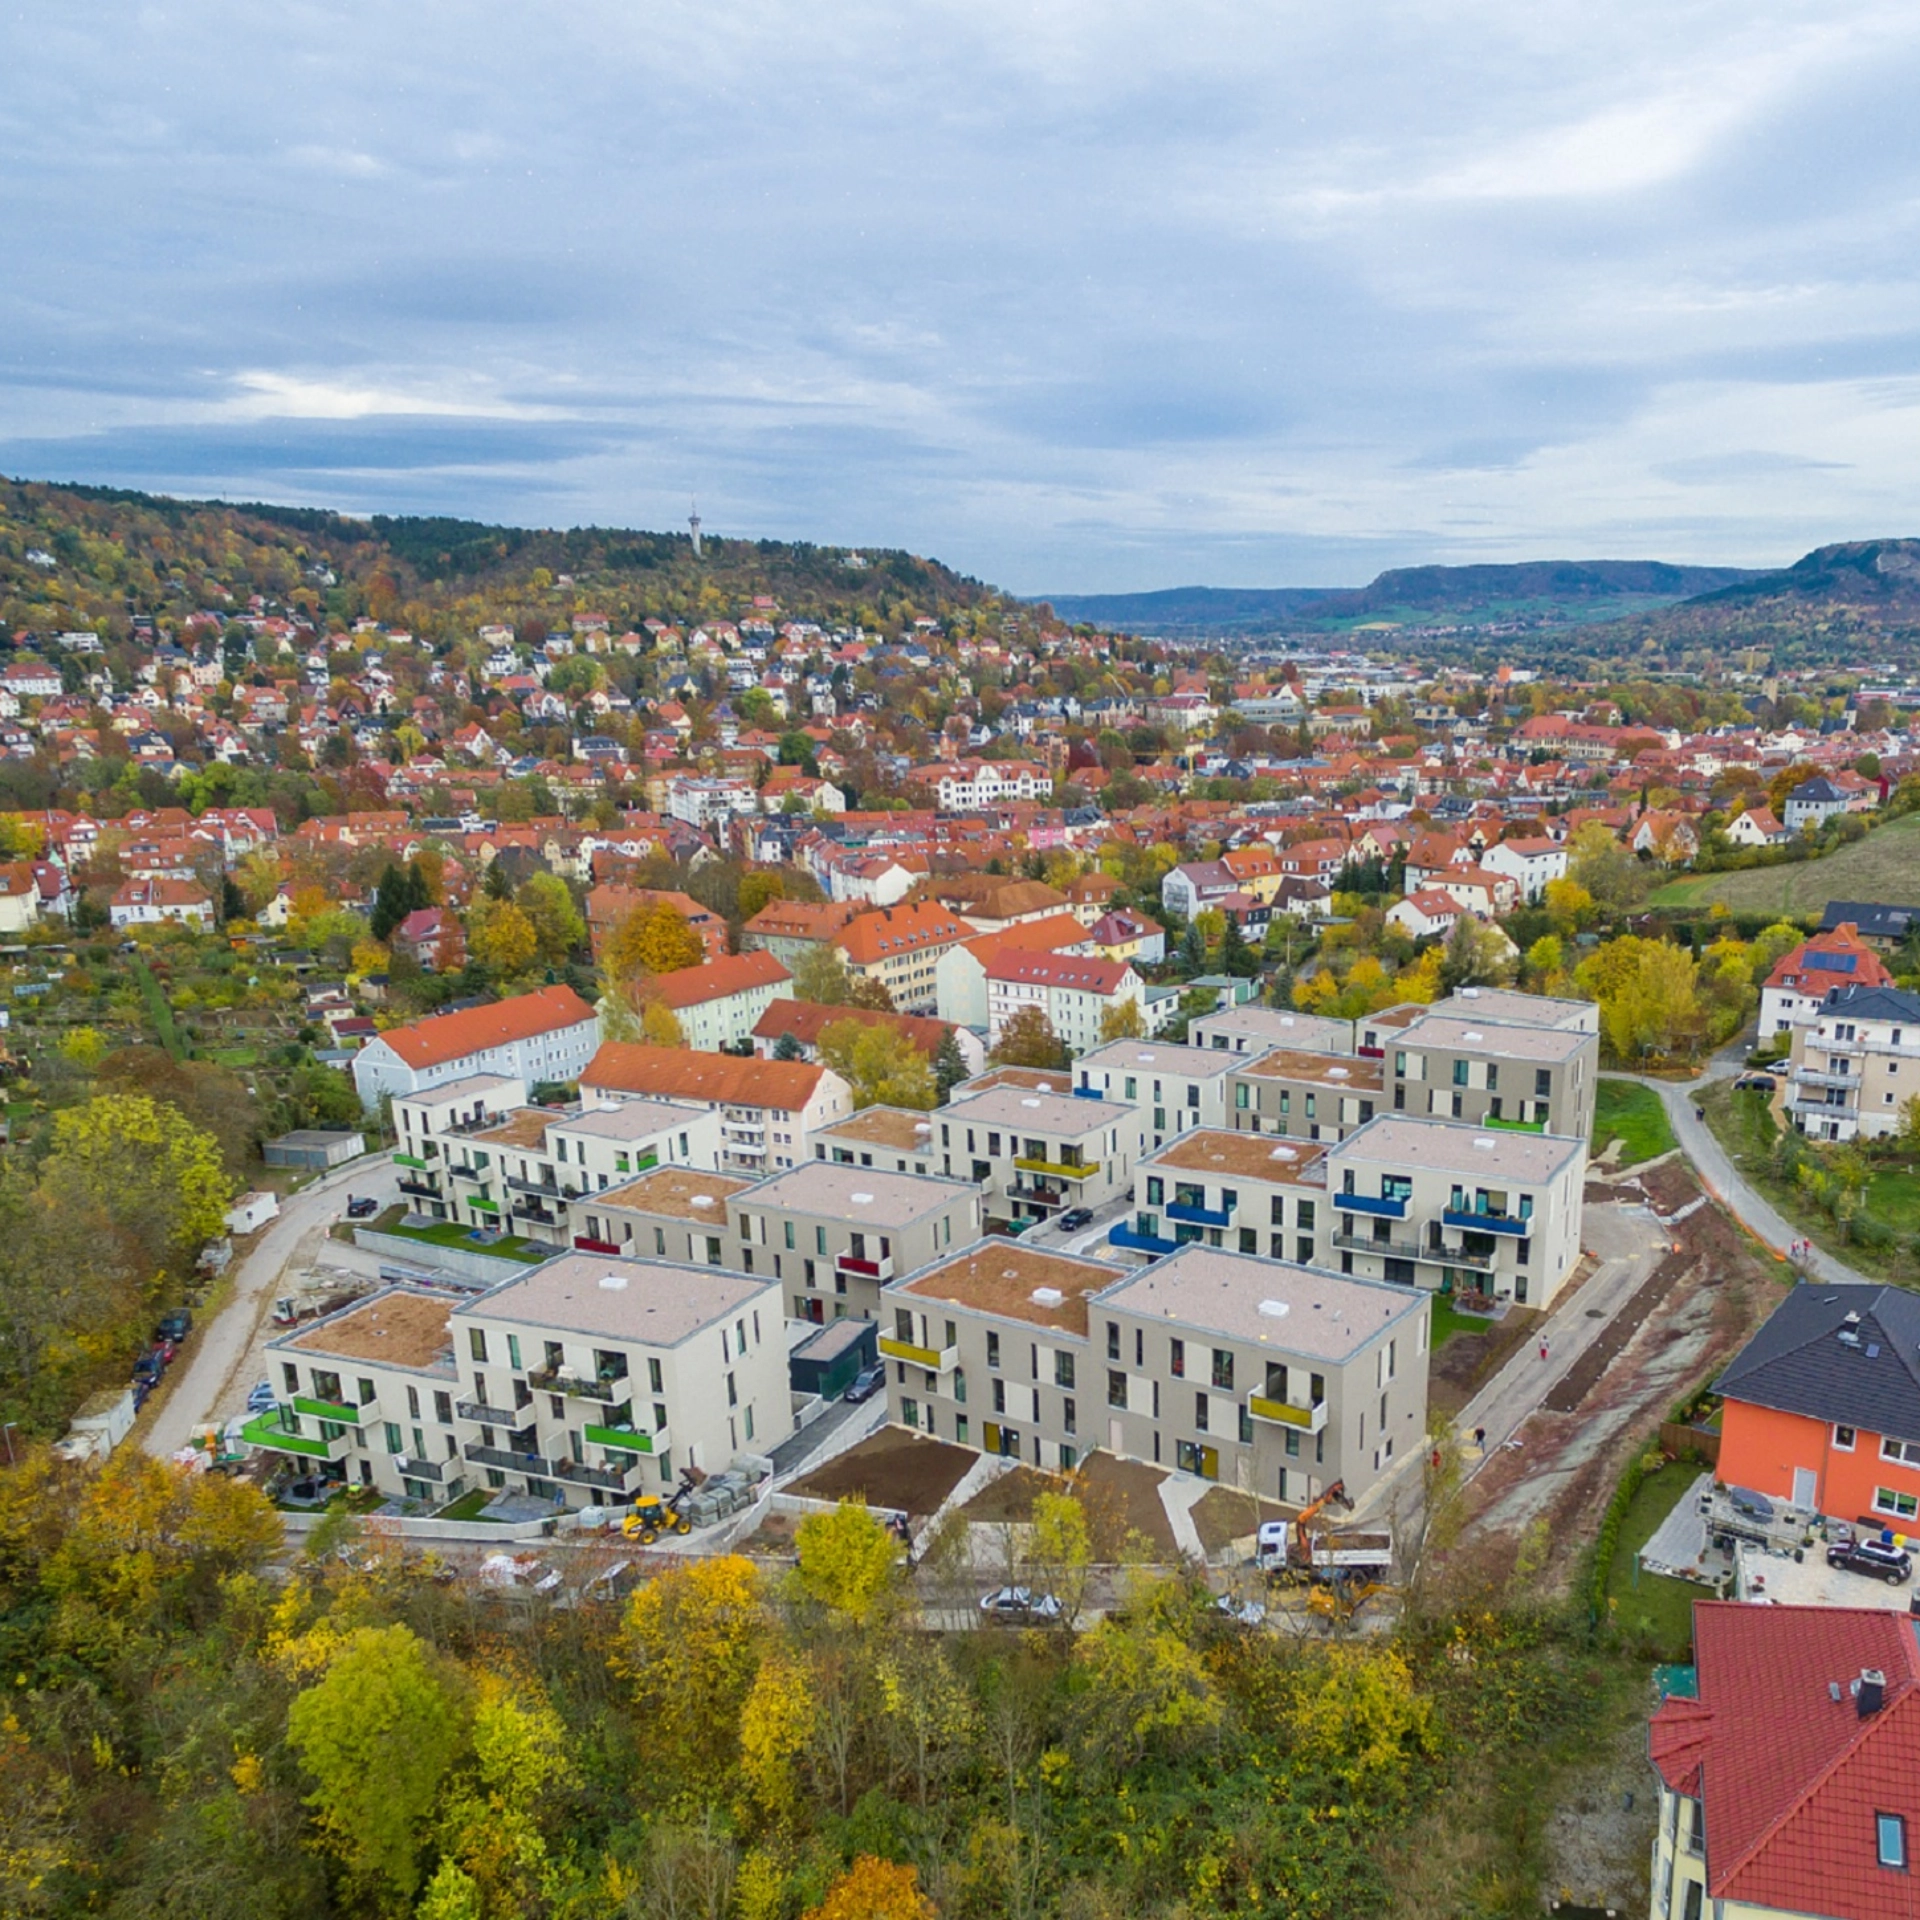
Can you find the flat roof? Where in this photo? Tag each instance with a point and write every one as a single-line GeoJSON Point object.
{"type": "Point", "coordinates": [1404, 1140]}
{"type": "Point", "coordinates": [1505, 1040]}
{"type": "Point", "coordinates": [672, 1191]}
{"type": "Point", "coordinates": [1060, 1113]}
{"type": "Point", "coordinates": [1034, 1079]}
{"type": "Point", "coordinates": [901, 1128]}
{"type": "Point", "coordinates": [630, 1119]}
{"type": "Point", "coordinates": [1294, 1309]}
{"type": "Point", "coordinates": [397, 1328]}
{"type": "Point", "coordinates": [1244, 1156]}
{"type": "Point", "coordinates": [1001, 1276]}
{"type": "Point", "coordinates": [1344, 1071]}
{"type": "Point", "coordinates": [1153, 1056]}
{"type": "Point", "coordinates": [656, 1303]}
{"type": "Point", "coordinates": [1392, 1019]}
{"type": "Point", "coordinates": [523, 1127]}
{"type": "Point", "coordinates": [1509, 1007]}
{"type": "Point", "coordinates": [316, 1137]}
{"type": "Point", "coordinates": [876, 1196]}
{"type": "Point", "coordinates": [1281, 1024]}
{"type": "Point", "coordinates": [474, 1083]}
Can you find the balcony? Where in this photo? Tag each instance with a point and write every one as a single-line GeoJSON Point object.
{"type": "Point", "coordinates": [1037, 1196]}
{"type": "Point", "coordinates": [606, 1388]}
{"type": "Point", "coordinates": [1379, 1205]}
{"type": "Point", "coordinates": [1472, 1222]}
{"type": "Point", "coordinates": [551, 1188]}
{"type": "Point", "coordinates": [1122, 1235]}
{"type": "Point", "coordinates": [524, 1209]}
{"type": "Point", "coordinates": [1283, 1413]}
{"type": "Point", "coordinates": [483, 1415]}
{"type": "Point", "coordinates": [340, 1412]}
{"type": "Point", "coordinates": [1198, 1215]}
{"type": "Point", "coordinates": [933, 1359]}
{"type": "Point", "coordinates": [586, 1243]}
{"type": "Point", "coordinates": [864, 1269]}
{"type": "Point", "coordinates": [536, 1464]}
{"type": "Point", "coordinates": [643, 1163]}
{"type": "Point", "coordinates": [1059, 1169]}
{"type": "Point", "coordinates": [412, 1469]}
{"type": "Point", "coordinates": [1430, 1254]}
{"type": "Point", "coordinates": [1809, 1077]}
{"type": "Point", "coordinates": [582, 1475]}
{"type": "Point", "coordinates": [270, 1430]}
{"type": "Point", "coordinates": [474, 1169]}
{"type": "Point", "coordinates": [425, 1189]}
{"type": "Point", "coordinates": [625, 1439]}
{"type": "Point", "coordinates": [410, 1160]}
{"type": "Point", "coordinates": [1822, 1110]}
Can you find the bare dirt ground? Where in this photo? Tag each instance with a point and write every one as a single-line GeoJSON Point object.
{"type": "Point", "coordinates": [893, 1469]}
{"type": "Point", "coordinates": [1468, 1361]}
{"type": "Point", "coordinates": [1011, 1497]}
{"type": "Point", "coordinates": [1225, 1515]}
{"type": "Point", "coordinates": [1122, 1497]}
{"type": "Point", "coordinates": [1600, 1834]}
{"type": "Point", "coordinates": [1698, 1306]}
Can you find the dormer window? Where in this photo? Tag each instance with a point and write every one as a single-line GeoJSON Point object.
{"type": "Point", "coordinates": [1890, 1836]}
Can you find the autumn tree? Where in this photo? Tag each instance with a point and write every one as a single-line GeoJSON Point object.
{"type": "Point", "coordinates": [874, 1889]}
{"type": "Point", "coordinates": [820, 976]}
{"type": "Point", "coordinates": [1122, 1021]}
{"type": "Point", "coordinates": [557, 926]}
{"type": "Point", "coordinates": [654, 938]}
{"type": "Point", "coordinates": [849, 1562]}
{"type": "Point", "coordinates": [500, 938]}
{"type": "Point", "coordinates": [377, 1733]}
{"type": "Point", "coordinates": [880, 1064]}
{"type": "Point", "coordinates": [758, 888]}
{"type": "Point", "coordinates": [1028, 1040]}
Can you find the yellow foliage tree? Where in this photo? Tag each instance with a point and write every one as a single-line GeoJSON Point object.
{"type": "Point", "coordinates": [849, 1562]}
{"type": "Point", "coordinates": [500, 937]}
{"type": "Point", "coordinates": [775, 1725]}
{"type": "Point", "coordinates": [655, 938]}
{"type": "Point", "coordinates": [156, 1175]}
{"type": "Point", "coordinates": [1122, 1021]}
{"type": "Point", "coordinates": [660, 1025]}
{"type": "Point", "coordinates": [873, 1889]}
{"type": "Point", "coordinates": [881, 1066]}
{"type": "Point", "coordinates": [1357, 1715]}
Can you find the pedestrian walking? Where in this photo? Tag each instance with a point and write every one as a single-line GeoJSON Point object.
{"type": "Point", "coordinates": [1543, 1346]}
{"type": "Point", "coordinates": [1480, 1438]}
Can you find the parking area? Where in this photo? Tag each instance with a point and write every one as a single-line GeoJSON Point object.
{"type": "Point", "coordinates": [1810, 1582]}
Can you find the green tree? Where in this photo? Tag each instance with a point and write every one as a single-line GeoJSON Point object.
{"type": "Point", "coordinates": [1028, 1040]}
{"type": "Point", "coordinates": [949, 1065]}
{"type": "Point", "coordinates": [820, 976]}
{"type": "Point", "coordinates": [880, 1065]}
{"type": "Point", "coordinates": [557, 926]}
{"type": "Point", "coordinates": [378, 1733]}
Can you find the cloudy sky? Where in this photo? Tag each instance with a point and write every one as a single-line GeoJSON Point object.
{"type": "Point", "coordinates": [1078, 297]}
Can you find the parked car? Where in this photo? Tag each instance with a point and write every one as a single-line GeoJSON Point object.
{"type": "Point", "coordinates": [175, 1326]}
{"type": "Point", "coordinates": [1755, 1083]}
{"type": "Point", "coordinates": [150, 1366]}
{"type": "Point", "coordinates": [1243, 1613]}
{"type": "Point", "coordinates": [1076, 1217]}
{"type": "Point", "coordinates": [303, 1492]}
{"type": "Point", "coordinates": [1879, 1559]}
{"type": "Point", "coordinates": [262, 1399]}
{"type": "Point", "coordinates": [362, 1208]}
{"type": "Point", "coordinates": [1019, 1606]}
{"type": "Point", "coordinates": [867, 1382]}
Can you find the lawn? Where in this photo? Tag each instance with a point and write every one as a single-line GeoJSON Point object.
{"type": "Point", "coordinates": [235, 1056]}
{"type": "Point", "coordinates": [1744, 1125]}
{"type": "Point", "coordinates": [1880, 867]}
{"type": "Point", "coordinates": [1647, 1606]}
{"type": "Point", "coordinates": [468, 1506]}
{"type": "Point", "coordinates": [1636, 1116]}
{"type": "Point", "coordinates": [1449, 1320]}
{"type": "Point", "coordinates": [450, 1233]}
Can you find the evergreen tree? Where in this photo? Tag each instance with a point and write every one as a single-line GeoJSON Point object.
{"type": "Point", "coordinates": [788, 1048]}
{"type": "Point", "coordinates": [1236, 957]}
{"type": "Point", "coordinates": [949, 1068]}
{"type": "Point", "coordinates": [390, 903]}
{"type": "Point", "coordinates": [1193, 952]}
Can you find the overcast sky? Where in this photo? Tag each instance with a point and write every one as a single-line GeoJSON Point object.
{"type": "Point", "coordinates": [1076, 297]}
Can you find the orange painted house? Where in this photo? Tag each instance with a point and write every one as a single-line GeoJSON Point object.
{"type": "Point", "coordinates": [1822, 1406]}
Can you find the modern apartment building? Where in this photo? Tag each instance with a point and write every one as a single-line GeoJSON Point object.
{"type": "Point", "coordinates": [768, 1108]}
{"type": "Point", "coordinates": [1427, 1203]}
{"type": "Point", "coordinates": [832, 1235]}
{"type": "Point", "coordinates": [1496, 1075]}
{"type": "Point", "coordinates": [1258, 1373]}
{"type": "Point", "coordinates": [1855, 1065]}
{"type": "Point", "coordinates": [1308, 1096]}
{"type": "Point", "coordinates": [1037, 1154]}
{"type": "Point", "coordinates": [1238, 1191]}
{"type": "Point", "coordinates": [1176, 1088]}
{"type": "Point", "coordinates": [672, 1213]}
{"type": "Point", "coordinates": [1252, 1030]}
{"type": "Point", "coordinates": [898, 1138]}
{"type": "Point", "coordinates": [1508, 1007]}
{"type": "Point", "coordinates": [595, 1376]}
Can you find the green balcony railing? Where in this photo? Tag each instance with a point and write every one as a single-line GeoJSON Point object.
{"type": "Point", "coordinates": [269, 1430]}
{"type": "Point", "coordinates": [336, 1410]}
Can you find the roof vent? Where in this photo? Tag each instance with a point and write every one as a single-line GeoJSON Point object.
{"type": "Point", "coordinates": [1275, 1309]}
{"type": "Point", "coordinates": [1484, 1144]}
{"type": "Point", "coordinates": [1048, 1297]}
{"type": "Point", "coordinates": [703, 1199]}
{"type": "Point", "coordinates": [1338, 1073]}
{"type": "Point", "coordinates": [1283, 1153]}
{"type": "Point", "coordinates": [861, 1199]}
{"type": "Point", "coordinates": [923, 1126]}
{"type": "Point", "coordinates": [1030, 1103]}
{"type": "Point", "coordinates": [613, 1283]}
{"type": "Point", "coordinates": [1469, 993]}
{"type": "Point", "coordinates": [1869, 1692]}
{"type": "Point", "coordinates": [1476, 1036]}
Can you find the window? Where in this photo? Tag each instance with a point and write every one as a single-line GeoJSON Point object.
{"type": "Point", "coordinates": [1177, 1359]}
{"type": "Point", "coordinates": [1903, 1506]}
{"type": "Point", "coordinates": [1200, 1412]}
{"type": "Point", "coordinates": [477, 1342]}
{"type": "Point", "coordinates": [1116, 1389]}
{"type": "Point", "coordinates": [1067, 1414]}
{"type": "Point", "coordinates": [1063, 1369]}
{"type": "Point", "coordinates": [999, 1396]}
{"type": "Point", "coordinates": [1843, 1439]}
{"type": "Point", "coordinates": [513, 1350]}
{"type": "Point", "coordinates": [993, 1348]}
{"type": "Point", "coordinates": [1223, 1369]}
{"type": "Point", "coordinates": [1907, 1452]}
{"type": "Point", "coordinates": [1113, 1339]}
{"type": "Point", "coordinates": [1543, 1083]}
{"type": "Point", "coordinates": [1460, 1073]}
{"type": "Point", "coordinates": [1890, 1832]}
{"type": "Point", "coordinates": [1303, 1213]}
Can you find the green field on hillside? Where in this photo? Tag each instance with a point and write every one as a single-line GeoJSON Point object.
{"type": "Point", "coordinates": [1884, 867]}
{"type": "Point", "coordinates": [1635, 1116]}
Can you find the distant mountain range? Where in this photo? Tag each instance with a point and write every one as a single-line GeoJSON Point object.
{"type": "Point", "coordinates": [1539, 592]}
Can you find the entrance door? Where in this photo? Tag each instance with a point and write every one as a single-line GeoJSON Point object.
{"type": "Point", "coordinates": [1806, 1488]}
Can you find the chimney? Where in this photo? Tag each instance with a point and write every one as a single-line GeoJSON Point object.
{"type": "Point", "coordinates": [1869, 1692]}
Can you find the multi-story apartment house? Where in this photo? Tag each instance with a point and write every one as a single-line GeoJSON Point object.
{"type": "Point", "coordinates": [596, 1376]}
{"type": "Point", "coordinates": [471, 1153]}
{"type": "Point", "coordinates": [549, 1035]}
{"type": "Point", "coordinates": [789, 929]}
{"type": "Point", "coordinates": [671, 1213]}
{"type": "Point", "coordinates": [719, 1002]}
{"type": "Point", "coordinates": [1259, 1373]}
{"type": "Point", "coordinates": [1493, 1075]}
{"type": "Point", "coordinates": [1507, 1007]}
{"type": "Point", "coordinates": [1430, 1204]}
{"type": "Point", "coordinates": [1229, 1190]}
{"type": "Point", "coordinates": [768, 1109]}
{"type": "Point", "coordinates": [1075, 993]}
{"type": "Point", "coordinates": [1309, 1096]}
{"type": "Point", "coordinates": [833, 1235]}
{"type": "Point", "coordinates": [1037, 1154]}
{"type": "Point", "coordinates": [1249, 1030]}
{"type": "Point", "coordinates": [898, 1138]}
{"type": "Point", "coordinates": [367, 1395]}
{"type": "Point", "coordinates": [1176, 1088]}
{"type": "Point", "coordinates": [900, 947]}
{"type": "Point", "coordinates": [1789, 1772]}
{"type": "Point", "coordinates": [1855, 1066]}
{"type": "Point", "coordinates": [960, 978]}
{"type": "Point", "coordinates": [1801, 979]}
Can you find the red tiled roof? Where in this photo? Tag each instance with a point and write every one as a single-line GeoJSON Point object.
{"type": "Point", "coordinates": [717, 979]}
{"type": "Point", "coordinates": [1791, 1778]}
{"type": "Point", "coordinates": [1837, 959]}
{"type": "Point", "coordinates": [1059, 970]}
{"type": "Point", "coordinates": [874, 937]}
{"type": "Point", "coordinates": [806, 1022]}
{"type": "Point", "coordinates": [452, 1036]}
{"type": "Point", "coordinates": [673, 1073]}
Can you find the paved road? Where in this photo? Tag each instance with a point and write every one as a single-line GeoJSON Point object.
{"type": "Point", "coordinates": [1724, 1181]}
{"type": "Point", "coordinates": [218, 1345]}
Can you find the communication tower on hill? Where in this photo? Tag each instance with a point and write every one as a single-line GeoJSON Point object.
{"type": "Point", "coordinates": [693, 527]}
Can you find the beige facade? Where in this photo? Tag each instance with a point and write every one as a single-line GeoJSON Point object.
{"type": "Point", "coordinates": [900, 1139]}
{"type": "Point", "coordinates": [1855, 1065]}
{"type": "Point", "coordinates": [1039, 1154]}
{"type": "Point", "coordinates": [1486, 1073]}
{"type": "Point", "coordinates": [1240, 1192]}
{"type": "Point", "coordinates": [1256, 1030]}
{"type": "Point", "coordinates": [1175, 1088]}
{"type": "Point", "coordinates": [672, 1213]}
{"type": "Point", "coordinates": [1306, 1096]}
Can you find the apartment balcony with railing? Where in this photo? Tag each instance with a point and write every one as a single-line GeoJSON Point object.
{"type": "Point", "coordinates": [547, 1185]}
{"type": "Point", "coordinates": [608, 1479]}
{"type": "Point", "coordinates": [1059, 1169]}
{"type": "Point", "coordinates": [1122, 1235]}
{"type": "Point", "coordinates": [865, 1269]}
{"type": "Point", "coordinates": [526, 1209]}
{"type": "Point", "coordinates": [932, 1359]}
{"type": "Point", "coordinates": [619, 1436]}
{"type": "Point", "coordinates": [1818, 1077]}
{"type": "Point", "coordinates": [1471, 1220]}
{"type": "Point", "coordinates": [343, 1413]}
{"type": "Point", "coordinates": [279, 1431]}
{"type": "Point", "coordinates": [1284, 1413]}
{"type": "Point", "coordinates": [606, 1387]}
{"type": "Point", "coordinates": [410, 1467]}
{"type": "Point", "coordinates": [484, 1415]}
{"type": "Point", "coordinates": [510, 1459]}
{"type": "Point", "coordinates": [1198, 1214]}
{"type": "Point", "coordinates": [1381, 1206]}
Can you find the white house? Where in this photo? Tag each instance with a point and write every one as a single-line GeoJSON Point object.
{"type": "Point", "coordinates": [1074, 992]}
{"type": "Point", "coordinates": [1423, 915]}
{"type": "Point", "coordinates": [1531, 863]}
{"type": "Point", "coordinates": [545, 1036]}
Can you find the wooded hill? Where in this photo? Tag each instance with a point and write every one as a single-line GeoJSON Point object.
{"type": "Point", "coordinates": [108, 555]}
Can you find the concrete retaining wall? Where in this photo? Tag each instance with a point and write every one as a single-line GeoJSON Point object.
{"type": "Point", "coordinates": [464, 1263]}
